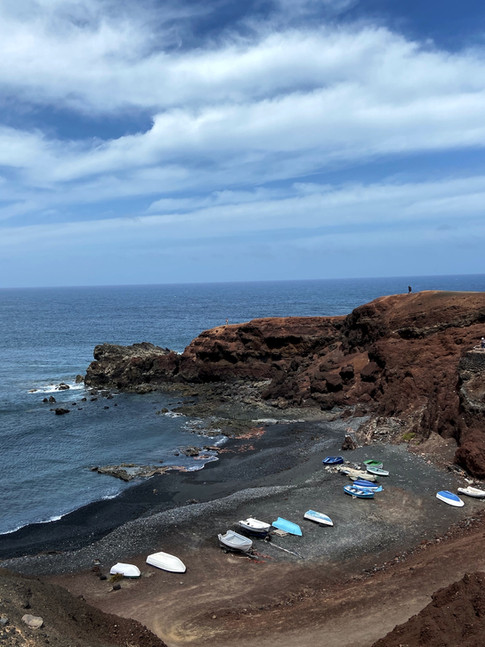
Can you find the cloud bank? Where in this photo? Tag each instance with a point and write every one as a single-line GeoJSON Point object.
{"type": "Point", "coordinates": [163, 126]}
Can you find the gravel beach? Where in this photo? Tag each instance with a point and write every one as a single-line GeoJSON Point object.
{"type": "Point", "coordinates": [280, 588]}
{"type": "Point", "coordinates": [277, 474]}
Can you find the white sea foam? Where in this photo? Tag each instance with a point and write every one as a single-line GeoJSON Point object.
{"type": "Point", "coordinates": [174, 414]}
{"type": "Point", "coordinates": [277, 421]}
{"type": "Point", "coordinates": [54, 388]}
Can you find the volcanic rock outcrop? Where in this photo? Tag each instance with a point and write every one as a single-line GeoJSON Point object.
{"type": "Point", "coordinates": [407, 356]}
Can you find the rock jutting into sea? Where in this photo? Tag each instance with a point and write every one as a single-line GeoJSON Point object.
{"type": "Point", "coordinates": [408, 361]}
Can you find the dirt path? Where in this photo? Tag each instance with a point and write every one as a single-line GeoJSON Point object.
{"type": "Point", "coordinates": [271, 603]}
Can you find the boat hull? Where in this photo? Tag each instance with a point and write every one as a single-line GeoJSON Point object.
{"type": "Point", "coordinates": [377, 471]}
{"type": "Point", "coordinates": [358, 492]}
{"type": "Point", "coordinates": [287, 526]}
{"type": "Point", "coordinates": [166, 562]}
{"type": "Point", "coordinates": [318, 517]}
{"type": "Point", "coordinates": [255, 527]}
{"type": "Point", "coordinates": [234, 541]}
{"type": "Point", "coordinates": [127, 570]}
{"type": "Point", "coordinates": [473, 492]}
{"type": "Point", "coordinates": [450, 498]}
{"type": "Point", "coordinates": [333, 460]}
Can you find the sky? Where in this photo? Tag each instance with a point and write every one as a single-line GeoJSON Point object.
{"type": "Point", "coordinates": [150, 141]}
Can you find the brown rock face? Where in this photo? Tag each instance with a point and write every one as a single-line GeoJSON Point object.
{"type": "Point", "coordinates": [456, 616]}
{"type": "Point", "coordinates": [402, 355]}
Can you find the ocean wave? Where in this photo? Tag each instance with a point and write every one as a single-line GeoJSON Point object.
{"type": "Point", "coordinates": [54, 388]}
{"type": "Point", "coordinates": [174, 414]}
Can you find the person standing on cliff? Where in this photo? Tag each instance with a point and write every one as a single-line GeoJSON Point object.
{"type": "Point", "coordinates": [482, 343]}
{"type": "Point", "coordinates": [410, 289]}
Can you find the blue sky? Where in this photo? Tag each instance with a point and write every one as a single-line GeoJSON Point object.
{"type": "Point", "coordinates": [166, 142]}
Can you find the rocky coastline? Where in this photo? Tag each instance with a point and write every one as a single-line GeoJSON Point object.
{"type": "Point", "coordinates": [401, 376]}
{"type": "Point", "coordinates": [409, 362]}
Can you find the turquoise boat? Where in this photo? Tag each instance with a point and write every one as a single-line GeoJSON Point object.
{"type": "Point", "coordinates": [287, 526]}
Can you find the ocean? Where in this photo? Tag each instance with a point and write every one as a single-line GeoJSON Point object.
{"type": "Point", "coordinates": [47, 336]}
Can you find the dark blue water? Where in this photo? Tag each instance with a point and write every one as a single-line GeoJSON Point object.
{"type": "Point", "coordinates": [47, 336]}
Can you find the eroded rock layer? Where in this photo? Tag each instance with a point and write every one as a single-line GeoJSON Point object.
{"type": "Point", "coordinates": [407, 356]}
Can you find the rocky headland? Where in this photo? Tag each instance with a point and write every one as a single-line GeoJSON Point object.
{"type": "Point", "coordinates": [403, 368]}
{"type": "Point", "coordinates": [409, 362]}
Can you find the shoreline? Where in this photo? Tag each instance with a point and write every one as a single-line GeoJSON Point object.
{"type": "Point", "coordinates": [159, 493]}
{"type": "Point", "coordinates": [281, 475]}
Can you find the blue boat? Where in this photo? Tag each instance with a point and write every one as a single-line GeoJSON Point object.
{"type": "Point", "coordinates": [287, 526]}
{"type": "Point", "coordinates": [362, 483]}
{"type": "Point", "coordinates": [360, 493]}
{"type": "Point", "coordinates": [450, 498]}
{"type": "Point", "coordinates": [333, 460]}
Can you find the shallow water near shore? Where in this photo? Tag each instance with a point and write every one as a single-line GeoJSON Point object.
{"type": "Point", "coordinates": [48, 336]}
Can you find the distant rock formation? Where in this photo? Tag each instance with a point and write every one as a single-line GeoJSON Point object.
{"type": "Point", "coordinates": [409, 357]}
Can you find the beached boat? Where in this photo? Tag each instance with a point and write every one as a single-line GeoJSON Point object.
{"type": "Point", "coordinates": [450, 498]}
{"type": "Point", "coordinates": [232, 540]}
{"type": "Point", "coordinates": [333, 460]}
{"type": "Point", "coordinates": [127, 570]}
{"type": "Point", "coordinates": [287, 526]}
{"type": "Point", "coordinates": [318, 517]}
{"type": "Point", "coordinates": [472, 491]}
{"type": "Point", "coordinates": [372, 463]}
{"type": "Point", "coordinates": [360, 493]}
{"type": "Point", "coordinates": [377, 471]}
{"type": "Point", "coordinates": [166, 562]}
{"type": "Point", "coordinates": [367, 485]}
{"type": "Point", "coordinates": [255, 526]}
{"type": "Point", "coordinates": [354, 474]}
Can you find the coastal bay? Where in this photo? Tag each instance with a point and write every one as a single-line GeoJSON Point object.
{"type": "Point", "coordinates": [366, 386]}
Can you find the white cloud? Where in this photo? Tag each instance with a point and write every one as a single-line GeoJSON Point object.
{"type": "Point", "coordinates": [238, 127]}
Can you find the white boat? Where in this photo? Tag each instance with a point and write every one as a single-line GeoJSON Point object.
{"type": "Point", "coordinates": [450, 498]}
{"type": "Point", "coordinates": [319, 517]}
{"type": "Point", "coordinates": [255, 526]}
{"type": "Point", "coordinates": [355, 474]}
{"type": "Point", "coordinates": [166, 562]}
{"type": "Point", "coordinates": [232, 540]}
{"type": "Point", "coordinates": [127, 570]}
{"type": "Point", "coordinates": [377, 471]}
{"type": "Point", "coordinates": [472, 491]}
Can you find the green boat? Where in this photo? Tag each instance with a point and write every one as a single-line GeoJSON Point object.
{"type": "Point", "coordinates": [372, 463]}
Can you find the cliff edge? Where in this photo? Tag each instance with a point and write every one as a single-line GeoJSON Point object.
{"type": "Point", "coordinates": [411, 357]}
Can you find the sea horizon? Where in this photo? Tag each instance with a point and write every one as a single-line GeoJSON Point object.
{"type": "Point", "coordinates": [404, 277]}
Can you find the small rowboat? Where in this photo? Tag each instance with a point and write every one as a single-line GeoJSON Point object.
{"type": "Point", "coordinates": [232, 540]}
{"type": "Point", "coordinates": [255, 526]}
{"type": "Point", "coordinates": [472, 491]}
{"type": "Point", "coordinates": [372, 463]}
{"type": "Point", "coordinates": [450, 498]}
{"type": "Point", "coordinates": [287, 526]}
{"type": "Point", "coordinates": [127, 570]}
{"type": "Point", "coordinates": [333, 460]}
{"type": "Point", "coordinates": [166, 562]}
{"type": "Point", "coordinates": [360, 493]}
{"type": "Point", "coordinates": [377, 471]}
{"type": "Point", "coordinates": [365, 483]}
{"type": "Point", "coordinates": [318, 517]}
{"type": "Point", "coordinates": [373, 487]}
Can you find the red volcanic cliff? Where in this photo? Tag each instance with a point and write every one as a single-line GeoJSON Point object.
{"type": "Point", "coordinates": [406, 356]}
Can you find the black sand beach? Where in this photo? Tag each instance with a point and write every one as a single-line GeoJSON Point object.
{"type": "Point", "coordinates": [277, 474]}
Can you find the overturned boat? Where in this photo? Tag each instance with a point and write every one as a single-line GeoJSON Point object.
{"type": "Point", "coordinates": [127, 570]}
{"type": "Point", "coordinates": [166, 562]}
{"type": "Point", "coordinates": [232, 540]}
